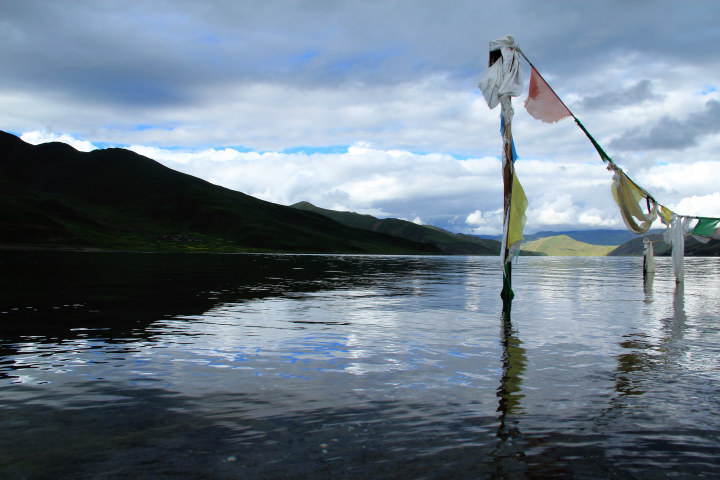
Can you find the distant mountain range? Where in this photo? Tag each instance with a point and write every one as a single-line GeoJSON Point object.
{"type": "Point", "coordinates": [450, 243]}
{"type": "Point", "coordinates": [693, 248]}
{"type": "Point", "coordinates": [602, 237]}
{"type": "Point", "coordinates": [626, 243]}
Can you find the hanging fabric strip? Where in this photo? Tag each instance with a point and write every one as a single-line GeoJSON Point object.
{"type": "Point", "coordinates": [649, 258]}
{"type": "Point", "coordinates": [504, 77]}
{"type": "Point", "coordinates": [705, 226]}
{"type": "Point", "coordinates": [627, 195]}
{"type": "Point", "coordinates": [666, 215]}
{"type": "Point", "coordinates": [542, 102]}
{"type": "Point", "coordinates": [675, 236]}
{"type": "Point", "coordinates": [705, 229]}
{"type": "Point", "coordinates": [516, 222]}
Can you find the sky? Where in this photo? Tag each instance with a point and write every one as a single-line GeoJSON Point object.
{"type": "Point", "coordinates": [372, 106]}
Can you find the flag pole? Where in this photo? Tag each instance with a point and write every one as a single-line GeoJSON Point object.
{"type": "Point", "coordinates": [501, 82]}
{"type": "Point", "coordinates": [508, 171]}
{"type": "Point", "coordinates": [506, 113]}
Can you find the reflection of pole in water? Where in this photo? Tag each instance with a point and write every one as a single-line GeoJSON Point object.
{"type": "Point", "coordinates": [648, 278]}
{"type": "Point", "coordinates": [508, 452]}
{"type": "Point", "coordinates": [513, 367]}
{"type": "Point", "coordinates": [643, 353]}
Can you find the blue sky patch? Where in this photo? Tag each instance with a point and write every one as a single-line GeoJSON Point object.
{"type": "Point", "coordinates": [308, 150]}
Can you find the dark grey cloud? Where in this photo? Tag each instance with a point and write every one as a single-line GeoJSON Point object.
{"type": "Point", "coordinates": [671, 133]}
{"type": "Point", "coordinates": [632, 95]}
{"type": "Point", "coordinates": [158, 51]}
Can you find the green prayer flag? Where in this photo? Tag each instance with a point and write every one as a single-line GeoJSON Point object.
{"type": "Point", "coordinates": [705, 226]}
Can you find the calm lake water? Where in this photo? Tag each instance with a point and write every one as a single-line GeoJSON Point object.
{"type": "Point", "coordinates": [343, 367]}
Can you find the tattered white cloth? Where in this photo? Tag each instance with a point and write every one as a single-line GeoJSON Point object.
{"type": "Point", "coordinates": [504, 77]}
{"type": "Point", "coordinates": [675, 236]}
{"type": "Point", "coordinates": [649, 257]}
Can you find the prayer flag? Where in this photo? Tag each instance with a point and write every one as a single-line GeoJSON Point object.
{"type": "Point", "coordinates": [666, 214]}
{"type": "Point", "coordinates": [504, 77]}
{"type": "Point", "coordinates": [627, 195]}
{"type": "Point", "coordinates": [516, 222]}
{"type": "Point", "coordinates": [705, 226]}
{"type": "Point", "coordinates": [542, 103]}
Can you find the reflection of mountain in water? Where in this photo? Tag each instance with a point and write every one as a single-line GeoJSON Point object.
{"type": "Point", "coordinates": [66, 294]}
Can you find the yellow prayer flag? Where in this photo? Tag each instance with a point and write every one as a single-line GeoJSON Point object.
{"type": "Point", "coordinates": [666, 213]}
{"type": "Point", "coordinates": [518, 206]}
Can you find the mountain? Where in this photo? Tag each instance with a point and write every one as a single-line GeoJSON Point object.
{"type": "Point", "coordinates": [593, 237]}
{"type": "Point", "coordinates": [635, 247]}
{"type": "Point", "coordinates": [51, 195]}
{"type": "Point", "coordinates": [563, 245]}
{"type": "Point", "coordinates": [450, 243]}
{"type": "Point", "coordinates": [693, 248]}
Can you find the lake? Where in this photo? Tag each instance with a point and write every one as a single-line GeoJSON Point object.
{"type": "Point", "coordinates": [123, 365]}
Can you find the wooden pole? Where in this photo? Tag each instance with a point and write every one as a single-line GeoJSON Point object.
{"type": "Point", "coordinates": [508, 171]}
{"type": "Point", "coordinates": [506, 294]}
{"type": "Point", "coordinates": [505, 100]}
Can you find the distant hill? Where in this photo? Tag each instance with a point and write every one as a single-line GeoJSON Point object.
{"type": "Point", "coordinates": [563, 245]}
{"type": "Point", "coordinates": [593, 237]}
{"type": "Point", "coordinates": [635, 246]}
{"type": "Point", "coordinates": [53, 196]}
{"type": "Point", "coordinates": [450, 243]}
{"type": "Point", "coordinates": [693, 248]}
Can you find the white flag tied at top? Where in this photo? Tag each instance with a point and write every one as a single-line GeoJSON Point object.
{"type": "Point", "coordinates": [504, 77]}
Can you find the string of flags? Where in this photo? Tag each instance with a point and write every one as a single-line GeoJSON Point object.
{"type": "Point", "coordinates": [638, 208]}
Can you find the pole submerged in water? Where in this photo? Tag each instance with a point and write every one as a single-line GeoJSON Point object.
{"type": "Point", "coordinates": [508, 172]}
{"type": "Point", "coordinates": [502, 81]}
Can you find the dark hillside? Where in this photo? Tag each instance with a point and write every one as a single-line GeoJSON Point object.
{"type": "Point", "coordinates": [52, 195]}
{"type": "Point", "coordinates": [693, 248]}
{"type": "Point", "coordinates": [450, 243]}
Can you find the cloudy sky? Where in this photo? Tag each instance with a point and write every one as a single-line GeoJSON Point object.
{"type": "Point", "coordinates": [373, 106]}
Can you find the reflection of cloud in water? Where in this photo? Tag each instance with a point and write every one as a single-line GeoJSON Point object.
{"type": "Point", "coordinates": [674, 350]}
{"type": "Point", "coordinates": [331, 336]}
{"type": "Point", "coordinates": [399, 362]}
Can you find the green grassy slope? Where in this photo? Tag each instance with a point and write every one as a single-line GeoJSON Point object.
{"type": "Point", "coordinates": [562, 245]}
{"type": "Point", "coordinates": [52, 195]}
{"type": "Point", "coordinates": [450, 243]}
{"type": "Point", "coordinates": [594, 237]}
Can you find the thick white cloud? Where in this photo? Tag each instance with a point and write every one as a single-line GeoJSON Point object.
{"type": "Point", "coordinates": [36, 137]}
{"type": "Point", "coordinates": [699, 205]}
{"type": "Point", "coordinates": [463, 195]}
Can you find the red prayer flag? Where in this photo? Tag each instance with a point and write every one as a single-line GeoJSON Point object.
{"type": "Point", "coordinates": [542, 103]}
